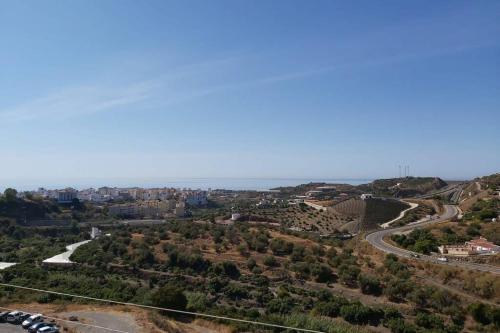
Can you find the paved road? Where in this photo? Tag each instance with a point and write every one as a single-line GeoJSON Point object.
{"type": "Point", "coordinates": [454, 190]}
{"type": "Point", "coordinates": [376, 239]}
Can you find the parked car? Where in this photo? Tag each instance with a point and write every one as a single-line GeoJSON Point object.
{"type": "Point", "coordinates": [3, 316]}
{"type": "Point", "coordinates": [24, 317]}
{"type": "Point", "coordinates": [415, 255]}
{"type": "Point", "coordinates": [444, 259]}
{"type": "Point", "coordinates": [16, 317]}
{"type": "Point", "coordinates": [48, 329]}
{"type": "Point", "coordinates": [33, 319]}
{"type": "Point", "coordinates": [34, 328]}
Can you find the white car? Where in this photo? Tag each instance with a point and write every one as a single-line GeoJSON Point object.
{"type": "Point", "coordinates": [443, 259]}
{"type": "Point", "coordinates": [14, 316]}
{"type": "Point", "coordinates": [33, 319]}
{"type": "Point", "coordinates": [48, 329]}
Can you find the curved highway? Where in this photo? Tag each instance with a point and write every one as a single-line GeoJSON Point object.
{"type": "Point", "coordinates": [376, 239]}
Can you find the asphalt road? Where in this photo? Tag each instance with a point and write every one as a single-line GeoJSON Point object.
{"type": "Point", "coordinates": [376, 239]}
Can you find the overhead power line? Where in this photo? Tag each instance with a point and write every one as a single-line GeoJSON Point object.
{"type": "Point", "coordinates": [150, 307]}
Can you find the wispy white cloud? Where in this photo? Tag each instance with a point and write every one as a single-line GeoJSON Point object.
{"type": "Point", "coordinates": [170, 87]}
{"type": "Point", "coordinates": [75, 101]}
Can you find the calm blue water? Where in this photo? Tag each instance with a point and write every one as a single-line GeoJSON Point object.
{"type": "Point", "coordinates": [258, 184]}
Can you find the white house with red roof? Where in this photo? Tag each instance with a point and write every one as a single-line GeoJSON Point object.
{"type": "Point", "coordinates": [481, 245]}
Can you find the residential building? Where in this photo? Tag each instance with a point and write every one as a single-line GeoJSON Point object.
{"type": "Point", "coordinates": [180, 209]}
{"type": "Point", "coordinates": [196, 198]}
{"type": "Point", "coordinates": [482, 245]}
{"type": "Point", "coordinates": [455, 250]}
{"type": "Point", "coordinates": [66, 195]}
{"type": "Point", "coordinates": [476, 246]}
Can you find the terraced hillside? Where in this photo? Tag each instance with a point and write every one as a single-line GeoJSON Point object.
{"type": "Point", "coordinates": [379, 211]}
{"type": "Point", "coordinates": [368, 214]}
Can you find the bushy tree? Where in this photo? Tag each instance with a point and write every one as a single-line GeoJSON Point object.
{"type": "Point", "coordinates": [348, 274]}
{"type": "Point", "coordinates": [10, 194]}
{"type": "Point", "coordinates": [398, 325]}
{"type": "Point", "coordinates": [397, 290]}
{"type": "Point", "coordinates": [369, 284]}
{"type": "Point", "coordinates": [330, 308]}
{"type": "Point", "coordinates": [281, 247]}
{"type": "Point", "coordinates": [171, 297]}
{"type": "Point", "coordinates": [270, 261]}
{"type": "Point", "coordinates": [197, 302]}
{"type": "Point", "coordinates": [322, 273]}
{"type": "Point", "coordinates": [280, 305]}
{"type": "Point", "coordinates": [429, 321]}
{"type": "Point", "coordinates": [357, 313]}
{"type": "Point", "coordinates": [251, 263]}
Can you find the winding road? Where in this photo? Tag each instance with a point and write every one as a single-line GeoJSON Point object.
{"type": "Point", "coordinates": [376, 239]}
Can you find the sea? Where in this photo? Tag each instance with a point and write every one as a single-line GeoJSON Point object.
{"type": "Point", "coordinates": [236, 184]}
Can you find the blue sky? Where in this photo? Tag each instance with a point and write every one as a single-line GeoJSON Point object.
{"type": "Point", "coordinates": [321, 89]}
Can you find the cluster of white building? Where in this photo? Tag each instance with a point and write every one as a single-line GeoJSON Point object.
{"type": "Point", "coordinates": [136, 202]}
{"type": "Point", "coordinates": [149, 208]}
{"type": "Point", "coordinates": [105, 194]}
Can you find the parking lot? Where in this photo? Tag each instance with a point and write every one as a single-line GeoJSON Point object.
{"type": "Point", "coordinates": [87, 321]}
{"type": "Point", "coordinates": [9, 328]}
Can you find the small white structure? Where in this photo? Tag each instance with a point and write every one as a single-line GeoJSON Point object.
{"type": "Point", "coordinates": [365, 196]}
{"type": "Point", "coordinates": [95, 233]}
{"type": "Point", "coordinates": [235, 216]}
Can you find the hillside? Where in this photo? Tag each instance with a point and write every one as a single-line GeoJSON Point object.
{"type": "Point", "coordinates": [404, 187]}
{"type": "Point", "coordinates": [492, 181]}
{"type": "Point", "coordinates": [380, 211]}
{"type": "Point", "coordinates": [397, 187]}
{"type": "Point", "coordinates": [21, 209]}
{"type": "Point", "coordinates": [303, 188]}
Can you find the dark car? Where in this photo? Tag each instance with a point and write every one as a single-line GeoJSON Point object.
{"type": "Point", "coordinates": [35, 327]}
{"type": "Point", "coordinates": [16, 317]}
{"type": "Point", "coordinates": [3, 316]}
{"type": "Point", "coordinates": [22, 318]}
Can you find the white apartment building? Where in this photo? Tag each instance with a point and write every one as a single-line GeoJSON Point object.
{"type": "Point", "coordinates": [66, 195]}
{"type": "Point", "coordinates": [180, 209]}
{"type": "Point", "coordinates": [196, 198]}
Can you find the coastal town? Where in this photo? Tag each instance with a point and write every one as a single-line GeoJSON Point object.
{"type": "Point", "coordinates": [131, 202]}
